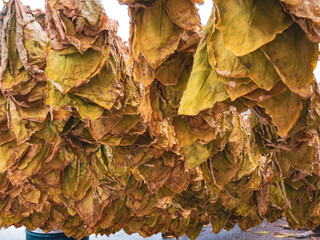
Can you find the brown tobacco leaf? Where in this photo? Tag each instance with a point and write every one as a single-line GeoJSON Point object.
{"type": "Point", "coordinates": [184, 14]}
{"type": "Point", "coordinates": [32, 42]}
{"type": "Point", "coordinates": [156, 173]}
{"type": "Point", "coordinates": [76, 24]}
{"type": "Point", "coordinates": [10, 153]}
{"type": "Point", "coordinates": [294, 157]}
{"type": "Point", "coordinates": [22, 73]}
{"type": "Point", "coordinates": [90, 209]}
{"type": "Point", "coordinates": [20, 33]}
{"type": "Point", "coordinates": [170, 71]}
{"type": "Point", "coordinates": [306, 14]}
{"type": "Point", "coordinates": [144, 74]}
{"type": "Point", "coordinates": [21, 128]}
{"type": "Point", "coordinates": [29, 164]}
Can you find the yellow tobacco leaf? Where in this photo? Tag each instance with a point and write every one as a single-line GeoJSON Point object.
{"type": "Point", "coordinates": [157, 36]}
{"type": "Point", "coordinates": [85, 178]}
{"type": "Point", "coordinates": [169, 72]}
{"type": "Point", "coordinates": [126, 124]}
{"type": "Point", "coordinates": [233, 82]}
{"type": "Point", "coordinates": [203, 89]}
{"type": "Point", "coordinates": [183, 132]}
{"type": "Point", "coordinates": [219, 221]}
{"type": "Point", "coordinates": [91, 11]}
{"type": "Point", "coordinates": [56, 99]}
{"type": "Point", "coordinates": [262, 232]}
{"type": "Point", "coordinates": [37, 93]}
{"type": "Point", "coordinates": [70, 71]}
{"type": "Point", "coordinates": [246, 25]}
{"type": "Point", "coordinates": [104, 88]}
{"type": "Point", "coordinates": [29, 166]}
{"type": "Point", "coordinates": [223, 170]}
{"type": "Point", "coordinates": [241, 90]}
{"type": "Point", "coordinates": [236, 139]}
{"type": "Point", "coordinates": [261, 71]}
{"type": "Point", "coordinates": [71, 174]}
{"type": "Point", "coordinates": [3, 109]}
{"type": "Point", "coordinates": [31, 194]}
{"type": "Point", "coordinates": [196, 154]}
{"type": "Point", "coordinates": [292, 2]}
{"type": "Point", "coordinates": [87, 110]}
{"type": "Point", "coordinates": [10, 153]}
{"type": "Point", "coordinates": [294, 57]}
{"type": "Point", "coordinates": [259, 94]}
{"type": "Point", "coordinates": [8, 82]}
{"type": "Point", "coordinates": [284, 110]}
{"type": "Point", "coordinates": [184, 14]}
{"type": "Point", "coordinates": [20, 128]}
{"type": "Point", "coordinates": [223, 60]}
{"type": "Point", "coordinates": [36, 113]}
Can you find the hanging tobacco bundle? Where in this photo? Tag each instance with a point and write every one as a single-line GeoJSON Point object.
{"type": "Point", "coordinates": [264, 61]}
{"type": "Point", "coordinates": [94, 140]}
{"type": "Point", "coordinates": [55, 116]}
{"type": "Point", "coordinates": [290, 166]}
{"type": "Point", "coordinates": [214, 144]}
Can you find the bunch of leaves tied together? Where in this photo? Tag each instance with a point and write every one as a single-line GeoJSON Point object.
{"type": "Point", "coordinates": [250, 58]}
{"type": "Point", "coordinates": [95, 137]}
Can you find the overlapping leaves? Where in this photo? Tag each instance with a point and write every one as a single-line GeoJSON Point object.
{"type": "Point", "coordinates": [93, 140]}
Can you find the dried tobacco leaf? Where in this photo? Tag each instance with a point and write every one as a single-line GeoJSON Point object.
{"type": "Point", "coordinates": [222, 60]}
{"type": "Point", "coordinates": [100, 146]}
{"type": "Point", "coordinates": [61, 69]}
{"type": "Point", "coordinates": [298, 57]}
{"type": "Point", "coordinates": [156, 34]}
{"type": "Point", "coordinates": [305, 13]}
{"type": "Point", "coordinates": [203, 89]}
{"type": "Point", "coordinates": [286, 114]}
{"type": "Point", "coordinates": [253, 25]}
